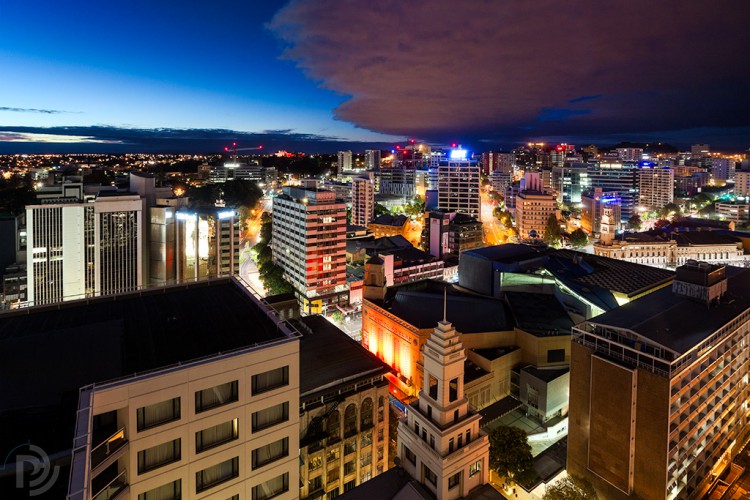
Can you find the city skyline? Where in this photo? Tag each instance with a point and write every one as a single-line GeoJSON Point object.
{"type": "Point", "coordinates": [319, 76]}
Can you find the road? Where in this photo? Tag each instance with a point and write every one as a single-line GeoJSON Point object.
{"type": "Point", "coordinates": [248, 268]}
{"type": "Point", "coordinates": [494, 231]}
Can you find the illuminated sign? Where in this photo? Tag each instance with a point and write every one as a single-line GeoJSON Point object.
{"type": "Point", "coordinates": [226, 214]}
{"type": "Point", "coordinates": [184, 216]}
{"type": "Point", "coordinates": [458, 154]}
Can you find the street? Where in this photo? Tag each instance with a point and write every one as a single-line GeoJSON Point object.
{"type": "Point", "coordinates": [494, 231]}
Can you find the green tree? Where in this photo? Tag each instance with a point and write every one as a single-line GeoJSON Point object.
{"type": "Point", "coordinates": [579, 238]}
{"type": "Point", "coordinates": [571, 488]}
{"type": "Point", "coordinates": [273, 279]}
{"type": "Point", "coordinates": [510, 454]}
{"type": "Point", "coordinates": [552, 233]}
{"type": "Point", "coordinates": [668, 209]}
{"type": "Point", "coordinates": [635, 223]}
{"type": "Point", "coordinates": [380, 210]}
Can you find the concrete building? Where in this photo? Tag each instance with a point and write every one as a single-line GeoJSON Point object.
{"type": "Point", "coordinates": [207, 243]}
{"type": "Point", "coordinates": [500, 180]}
{"type": "Point", "coordinates": [344, 161]}
{"type": "Point", "coordinates": [569, 181]}
{"type": "Point", "coordinates": [344, 404]}
{"type": "Point", "coordinates": [496, 161]}
{"type": "Point", "coordinates": [655, 185]}
{"type": "Point", "coordinates": [363, 201]}
{"type": "Point", "coordinates": [742, 183]}
{"type": "Point", "coordinates": [659, 388]}
{"type": "Point", "coordinates": [449, 233]}
{"type": "Point", "coordinates": [309, 243]}
{"type": "Point", "coordinates": [723, 169]}
{"type": "Point", "coordinates": [593, 203]}
{"type": "Point", "coordinates": [153, 397]}
{"type": "Point", "coordinates": [700, 150]}
{"type": "Point", "coordinates": [439, 441]}
{"type": "Point", "coordinates": [79, 249]}
{"type": "Point", "coordinates": [398, 181]}
{"type": "Point", "coordinates": [388, 225]}
{"type": "Point", "coordinates": [735, 211]}
{"type": "Point", "coordinates": [630, 154]}
{"type": "Point", "coordinates": [617, 177]}
{"type": "Point", "coordinates": [534, 206]}
{"type": "Point", "coordinates": [372, 159]}
{"type": "Point", "coordinates": [235, 170]}
{"type": "Point", "coordinates": [458, 187]}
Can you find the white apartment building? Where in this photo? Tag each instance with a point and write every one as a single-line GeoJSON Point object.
{"type": "Point", "coordinates": [363, 201]}
{"type": "Point", "coordinates": [309, 243]}
{"type": "Point", "coordinates": [742, 183]}
{"type": "Point", "coordinates": [723, 169]}
{"type": "Point", "coordinates": [458, 187]}
{"type": "Point", "coordinates": [345, 161]}
{"type": "Point", "coordinates": [372, 159]}
{"type": "Point", "coordinates": [83, 249]}
{"type": "Point", "coordinates": [656, 186]}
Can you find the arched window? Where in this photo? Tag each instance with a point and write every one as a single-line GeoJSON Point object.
{"type": "Point", "coordinates": [350, 420]}
{"type": "Point", "coordinates": [366, 414]}
{"type": "Point", "coordinates": [333, 425]}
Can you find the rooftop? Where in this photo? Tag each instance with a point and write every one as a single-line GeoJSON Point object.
{"type": "Point", "coordinates": [510, 252]}
{"type": "Point", "coordinates": [390, 220]}
{"type": "Point", "coordinates": [679, 323]}
{"type": "Point", "coordinates": [546, 374]}
{"type": "Point", "coordinates": [493, 353]}
{"type": "Point", "coordinates": [539, 313]}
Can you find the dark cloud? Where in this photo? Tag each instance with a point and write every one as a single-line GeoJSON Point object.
{"type": "Point", "coordinates": [108, 139]}
{"type": "Point", "coordinates": [34, 110]}
{"type": "Point", "coordinates": [517, 69]}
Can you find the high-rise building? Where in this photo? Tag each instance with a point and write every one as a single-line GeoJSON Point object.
{"type": "Point", "coordinates": [449, 233]}
{"type": "Point", "coordinates": [309, 243]}
{"type": "Point", "coordinates": [659, 391]}
{"type": "Point", "coordinates": [344, 161]}
{"type": "Point", "coordinates": [534, 205]}
{"type": "Point", "coordinates": [493, 161]}
{"type": "Point", "coordinates": [79, 249]}
{"type": "Point", "coordinates": [630, 154]}
{"type": "Point", "coordinates": [398, 181]}
{"type": "Point", "coordinates": [619, 178]}
{"type": "Point", "coordinates": [742, 183]}
{"type": "Point", "coordinates": [439, 441]}
{"type": "Point", "coordinates": [593, 202]}
{"type": "Point", "coordinates": [500, 180]}
{"type": "Point", "coordinates": [569, 181]}
{"type": "Point", "coordinates": [207, 243]}
{"type": "Point", "coordinates": [458, 185]}
{"type": "Point", "coordinates": [655, 185]}
{"type": "Point", "coordinates": [372, 159]}
{"type": "Point", "coordinates": [723, 169]}
{"type": "Point", "coordinates": [363, 200]}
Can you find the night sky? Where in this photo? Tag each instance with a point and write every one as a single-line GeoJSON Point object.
{"type": "Point", "coordinates": [187, 76]}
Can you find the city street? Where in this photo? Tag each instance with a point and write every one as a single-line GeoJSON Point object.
{"type": "Point", "coordinates": [494, 231]}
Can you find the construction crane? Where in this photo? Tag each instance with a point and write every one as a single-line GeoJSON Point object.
{"type": "Point", "coordinates": [234, 150]}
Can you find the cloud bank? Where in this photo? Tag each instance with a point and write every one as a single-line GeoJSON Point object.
{"type": "Point", "coordinates": [510, 70]}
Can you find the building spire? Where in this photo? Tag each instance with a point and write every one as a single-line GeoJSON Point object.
{"type": "Point", "coordinates": [445, 304]}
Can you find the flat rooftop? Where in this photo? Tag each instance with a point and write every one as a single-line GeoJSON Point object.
{"type": "Point", "coordinates": [329, 356]}
{"type": "Point", "coordinates": [680, 323]}
{"type": "Point", "coordinates": [48, 352]}
{"type": "Point", "coordinates": [539, 313]}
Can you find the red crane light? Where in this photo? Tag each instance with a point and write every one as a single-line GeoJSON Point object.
{"type": "Point", "coordinates": [226, 149]}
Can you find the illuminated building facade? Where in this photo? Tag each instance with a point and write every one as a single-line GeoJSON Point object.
{"type": "Point", "coordinates": [659, 395]}
{"type": "Point", "coordinates": [207, 243]}
{"type": "Point", "coordinates": [372, 159]}
{"type": "Point", "coordinates": [617, 177]}
{"type": "Point", "coordinates": [309, 243]}
{"type": "Point", "coordinates": [363, 201]}
{"type": "Point", "coordinates": [655, 185]}
{"type": "Point", "coordinates": [593, 202]}
{"type": "Point", "coordinates": [458, 185]}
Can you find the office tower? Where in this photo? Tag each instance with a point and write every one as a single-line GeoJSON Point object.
{"type": "Point", "coordinates": [493, 161]}
{"type": "Point", "coordinates": [449, 233]}
{"type": "Point", "coordinates": [458, 185]}
{"type": "Point", "coordinates": [236, 170]}
{"type": "Point", "coordinates": [630, 154]}
{"type": "Point", "coordinates": [618, 178]}
{"type": "Point", "coordinates": [439, 441]}
{"type": "Point", "coordinates": [309, 243]}
{"type": "Point", "coordinates": [699, 150]}
{"type": "Point", "coordinates": [363, 200]}
{"type": "Point", "coordinates": [398, 181]}
{"type": "Point", "coordinates": [655, 185]}
{"type": "Point", "coordinates": [569, 181]}
{"type": "Point", "coordinates": [534, 205]}
{"type": "Point", "coordinates": [344, 161]}
{"type": "Point", "coordinates": [372, 159]}
{"type": "Point", "coordinates": [742, 183]}
{"type": "Point", "coordinates": [207, 243]}
{"type": "Point", "coordinates": [723, 169]}
{"type": "Point", "coordinates": [500, 180]}
{"type": "Point", "coordinates": [187, 392]}
{"type": "Point", "coordinates": [80, 249]}
{"type": "Point", "coordinates": [593, 202]}
{"type": "Point", "coordinates": [659, 387]}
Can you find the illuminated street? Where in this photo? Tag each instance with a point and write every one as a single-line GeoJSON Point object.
{"type": "Point", "coordinates": [494, 231]}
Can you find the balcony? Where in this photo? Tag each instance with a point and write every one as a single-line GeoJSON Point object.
{"type": "Point", "coordinates": [108, 451]}
{"type": "Point", "coordinates": [115, 488]}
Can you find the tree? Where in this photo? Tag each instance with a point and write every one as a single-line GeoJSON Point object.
{"type": "Point", "coordinates": [668, 209]}
{"type": "Point", "coordinates": [510, 454]}
{"type": "Point", "coordinates": [661, 223]}
{"type": "Point", "coordinates": [273, 279]}
{"type": "Point", "coordinates": [552, 233]}
{"type": "Point", "coordinates": [571, 488]}
{"type": "Point", "coordinates": [579, 238]}
{"type": "Point", "coordinates": [635, 223]}
{"type": "Point", "coordinates": [380, 210]}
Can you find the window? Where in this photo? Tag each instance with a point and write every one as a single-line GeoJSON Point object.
{"type": "Point", "coordinates": [216, 435]}
{"type": "Point", "coordinates": [333, 426]}
{"type": "Point", "coordinates": [333, 454]}
{"type": "Point", "coordinates": [454, 480]}
{"type": "Point", "coordinates": [270, 380]}
{"type": "Point", "coordinates": [453, 390]}
{"type": "Point", "coordinates": [170, 491]}
{"type": "Point", "coordinates": [350, 447]}
{"type": "Point", "coordinates": [350, 420]}
{"type": "Point", "coordinates": [430, 476]}
{"type": "Point", "coordinates": [365, 459]}
{"type": "Point", "coordinates": [381, 408]}
{"type": "Point", "coordinates": [555, 355]}
{"type": "Point", "coordinates": [350, 485]}
{"type": "Point", "coordinates": [366, 440]}
{"type": "Point", "coordinates": [272, 487]}
{"type": "Point", "coordinates": [314, 462]}
{"type": "Point", "coordinates": [216, 396]}
{"type": "Point", "coordinates": [332, 494]}
{"type": "Point", "coordinates": [332, 475]}
{"type": "Point", "coordinates": [270, 453]}
{"type": "Point", "coordinates": [158, 414]}
{"type": "Point", "coordinates": [366, 476]}
{"type": "Point", "coordinates": [410, 456]}
{"type": "Point", "coordinates": [156, 456]}
{"type": "Point", "coordinates": [269, 417]}
{"type": "Point", "coordinates": [468, 436]}
{"type": "Point", "coordinates": [315, 483]}
{"type": "Point", "coordinates": [366, 414]}
{"type": "Point", "coordinates": [432, 441]}
{"type": "Point", "coordinates": [217, 474]}
{"type": "Point", "coordinates": [451, 443]}
{"type": "Point", "coordinates": [475, 468]}
{"type": "Point", "coordinates": [433, 389]}
{"type": "Point", "coordinates": [350, 468]}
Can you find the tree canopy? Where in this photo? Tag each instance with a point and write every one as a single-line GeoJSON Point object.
{"type": "Point", "coordinates": [552, 233]}
{"type": "Point", "coordinates": [270, 274]}
{"type": "Point", "coordinates": [579, 238]}
{"type": "Point", "coordinates": [635, 223]}
{"type": "Point", "coordinates": [571, 488]}
{"type": "Point", "coordinates": [510, 454]}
